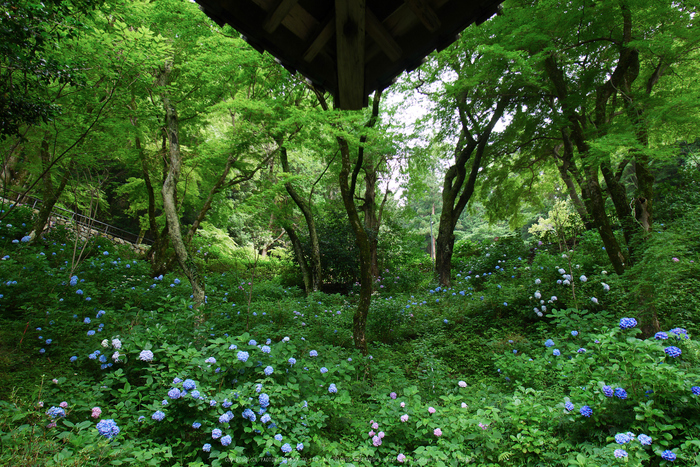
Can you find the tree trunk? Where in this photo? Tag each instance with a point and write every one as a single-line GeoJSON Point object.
{"type": "Point", "coordinates": [359, 320]}
{"type": "Point", "coordinates": [305, 209]}
{"type": "Point", "coordinates": [458, 189]}
{"type": "Point", "coordinates": [299, 253]}
{"type": "Point", "coordinates": [50, 194]}
{"type": "Point", "coordinates": [170, 192]}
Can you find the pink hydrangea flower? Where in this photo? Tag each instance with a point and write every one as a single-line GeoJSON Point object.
{"type": "Point", "coordinates": [401, 458]}
{"type": "Point", "coordinates": [380, 434]}
{"type": "Point", "coordinates": [675, 260]}
{"type": "Point", "coordinates": [377, 441]}
{"type": "Point", "coordinates": [431, 409]}
{"type": "Point", "coordinates": [96, 412]}
{"type": "Point", "coordinates": [404, 418]}
{"type": "Point", "coordinates": [462, 384]}
{"type": "Point", "coordinates": [392, 395]}
{"type": "Point", "coordinates": [63, 404]}
{"type": "Point", "coordinates": [375, 426]}
{"type": "Point", "coordinates": [371, 433]}
{"type": "Point", "coordinates": [437, 432]}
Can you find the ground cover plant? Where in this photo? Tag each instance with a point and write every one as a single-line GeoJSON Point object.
{"type": "Point", "coordinates": [536, 359]}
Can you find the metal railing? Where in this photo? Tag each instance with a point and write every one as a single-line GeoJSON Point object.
{"type": "Point", "coordinates": [81, 220]}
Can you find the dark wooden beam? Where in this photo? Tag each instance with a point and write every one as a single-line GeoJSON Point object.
{"type": "Point", "coordinates": [321, 40]}
{"type": "Point", "coordinates": [277, 14]}
{"type": "Point", "coordinates": [425, 14]}
{"type": "Point", "coordinates": [382, 37]}
{"type": "Point", "coordinates": [350, 42]}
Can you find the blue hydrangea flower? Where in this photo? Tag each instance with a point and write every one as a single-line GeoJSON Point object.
{"type": "Point", "coordinates": [620, 453]}
{"type": "Point", "coordinates": [216, 433]}
{"type": "Point", "coordinates": [332, 389]}
{"type": "Point", "coordinates": [556, 352]}
{"type": "Point", "coordinates": [620, 393]}
{"type": "Point", "coordinates": [696, 390]}
{"type": "Point", "coordinates": [91, 333]}
{"type": "Point", "coordinates": [661, 336]}
{"type": "Point", "coordinates": [226, 440]}
{"type": "Point", "coordinates": [73, 281]}
{"type": "Point", "coordinates": [313, 353]}
{"type": "Point", "coordinates": [268, 370]}
{"type": "Point", "coordinates": [174, 393]}
{"type": "Point", "coordinates": [243, 356]}
{"type": "Point", "coordinates": [252, 342]}
{"type": "Point", "coordinates": [189, 385]}
{"type": "Point", "coordinates": [108, 428]}
{"type": "Point", "coordinates": [668, 455]}
{"type": "Point", "coordinates": [225, 418]}
{"type": "Point", "coordinates": [608, 391]}
{"type": "Point", "coordinates": [574, 333]}
{"type": "Point", "coordinates": [206, 447]}
{"type": "Point", "coordinates": [644, 439]}
{"type": "Point", "coordinates": [286, 448]}
{"type": "Point", "coordinates": [196, 425]}
{"type": "Point", "coordinates": [232, 347]}
{"type": "Point", "coordinates": [265, 418]}
{"type": "Point", "coordinates": [673, 351]}
{"type": "Point", "coordinates": [55, 412]}
{"type": "Point", "coordinates": [586, 411]}
{"type": "Point", "coordinates": [146, 355]}
{"type": "Point", "coordinates": [158, 415]}
{"type": "Point", "coordinates": [569, 406]}
{"type": "Point", "coordinates": [278, 437]}
{"type": "Point", "coordinates": [79, 292]}
{"type": "Point", "coordinates": [292, 361]}
{"type": "Point", "coordinates": [300, 446]}
{"type": "Point", "coordinates": [627, 323]}
{"type": "Point", "coordinates": [264, 400]}
{"type": "Point", "coordinates": [265, 349]}
{"type": "Point", "coordinates": [324, 369]}
{"type": "Point", "coordinates": [86, 320]}
{"type": "Point", "coordinates": [581, 350]}
{"type": "Point", "coordinates": [549, 343]}
{"type": "Point", "coordinates": [73, 358]}
{"type": "Point", "coordinates": [679, 332]}
{"type": "Point", "coordinates": [210, 360]}
{"type": "Point", "coordinates": [622, 438]}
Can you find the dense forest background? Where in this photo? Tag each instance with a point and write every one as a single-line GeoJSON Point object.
{"type": "Point", "coordinates": [536, 181]}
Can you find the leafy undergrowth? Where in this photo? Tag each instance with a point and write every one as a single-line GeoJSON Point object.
{"type": "Point", "coordinates": [523, 362]}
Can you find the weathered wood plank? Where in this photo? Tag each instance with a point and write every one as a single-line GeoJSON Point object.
{"type": "Point", "coordinates": [321, 40]}
{"type": "Point", "coordinates": [425, 14]}
{"type": "Point", "coordinates": [276, 15]}
{"type": "Point", "coordinates": [381, 36]}
{"type": "Point", "coordinates": [350, 42]}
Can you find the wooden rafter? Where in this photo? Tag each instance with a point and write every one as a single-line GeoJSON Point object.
{"type": "Point", "coordinates": [425, 14]}
{"type": "Point", "coordinates": [277, 14]}
{"type": "Point", "coordinates": [321, 39]}
{"type": "Point", "coordinates": [382, 37]}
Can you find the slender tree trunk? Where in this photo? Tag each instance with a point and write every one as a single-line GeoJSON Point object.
{"type": "Point", "coordinates": [169, 196]}
{"type": "Point", "coordinates": [299, 253]}
{"type": "Point", "coordinates": [50, 193]}
{"type": "Point", "coordinates": [305, 208]}
{"type": "Point", "coordinates": [359, 321]}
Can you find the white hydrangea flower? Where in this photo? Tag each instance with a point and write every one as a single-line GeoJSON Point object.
{"type": "Point", "coordinates": [116, 343]}
{"type": "Point", "coordinates": [105, 343]}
